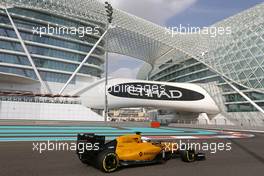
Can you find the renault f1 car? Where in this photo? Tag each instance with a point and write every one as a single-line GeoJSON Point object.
{"type": "Point", "coordinates": [128, 150]}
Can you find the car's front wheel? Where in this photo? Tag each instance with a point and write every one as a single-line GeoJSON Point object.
{"type": "Point", "coordinates": [188, 155]}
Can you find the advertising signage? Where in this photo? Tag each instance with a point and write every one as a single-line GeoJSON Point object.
{"type": "Point", "coordinates": [154, 92]}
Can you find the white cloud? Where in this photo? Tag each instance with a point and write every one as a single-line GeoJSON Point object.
{"type": "Point", "coordinates": [157, 11]}
{"type": "Point", "coordinates": [121, 66]}
{"type": "Point", "coordinates": [125, 73]}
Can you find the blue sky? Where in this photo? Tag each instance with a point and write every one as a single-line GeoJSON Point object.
{"type": "Point", "coordinates": [172, 13]}
{"type": "Point", "coordinates": [207, 12]}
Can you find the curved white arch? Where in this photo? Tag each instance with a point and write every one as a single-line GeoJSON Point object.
{"type": "Point", "coordinates": [182, 97]}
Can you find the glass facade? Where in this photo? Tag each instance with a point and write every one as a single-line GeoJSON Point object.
{"type": "Point", "coordinates": [191, 70]}
{"type": "Point", "coordinates": [239, 57]}
{"type": "Point", "coordinates": [52, 53]}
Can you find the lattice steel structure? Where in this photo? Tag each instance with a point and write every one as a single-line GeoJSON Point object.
{"type": "Point", "coordinates": [238, 57]}
{"type": "Point", "coordinates": [25, 56]}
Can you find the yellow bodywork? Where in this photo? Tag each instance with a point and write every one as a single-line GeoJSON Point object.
{"type": "Point", "coordinates": [131, 148]}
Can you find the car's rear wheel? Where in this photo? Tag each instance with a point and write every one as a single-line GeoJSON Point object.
{"type": "Point", "coordinates": [107, 161]}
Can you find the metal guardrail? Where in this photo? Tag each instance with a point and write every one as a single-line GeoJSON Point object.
{"type": "Point", "coordinates": [219, 127]}
{"type": "Point", "coordinates": [40, 99]}
{"type": "Point", "coordinates": [218, 122]}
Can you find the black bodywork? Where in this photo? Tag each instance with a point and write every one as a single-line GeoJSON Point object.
{"type": "Point", "coordinates": [88, 156]}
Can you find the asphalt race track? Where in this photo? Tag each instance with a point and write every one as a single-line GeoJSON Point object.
{"type": "Point", "coordinates": [18, 158]}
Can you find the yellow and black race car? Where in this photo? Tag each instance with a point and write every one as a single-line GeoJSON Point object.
{"type": "Point", "coordinates": [128, 150]}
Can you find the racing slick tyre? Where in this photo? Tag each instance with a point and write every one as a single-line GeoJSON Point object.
{"type": "Point", "coordinates": [188, 155]}
{"type": "Point", "coordinates": [107, 161]}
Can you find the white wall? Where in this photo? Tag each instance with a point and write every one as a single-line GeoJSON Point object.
{"type": "Point", "coordinates": [53, 86]}
{"type": "Point", "coordinates": [46, 111]}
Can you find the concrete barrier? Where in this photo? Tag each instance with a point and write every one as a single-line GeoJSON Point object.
{"type": "Point", "coordinates": [69, 123]}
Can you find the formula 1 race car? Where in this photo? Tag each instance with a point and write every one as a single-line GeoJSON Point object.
{"type": "Point", "coordinates": [128, 150]}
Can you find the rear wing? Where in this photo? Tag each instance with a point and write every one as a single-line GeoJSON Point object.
{"type": "Point", "coordinates": [89, 143]}
{"type": "Point", "coordinates": [91, 138]}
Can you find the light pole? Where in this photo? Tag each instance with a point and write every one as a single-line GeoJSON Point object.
{"type": "Point", "coordinates": [109, 11]}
